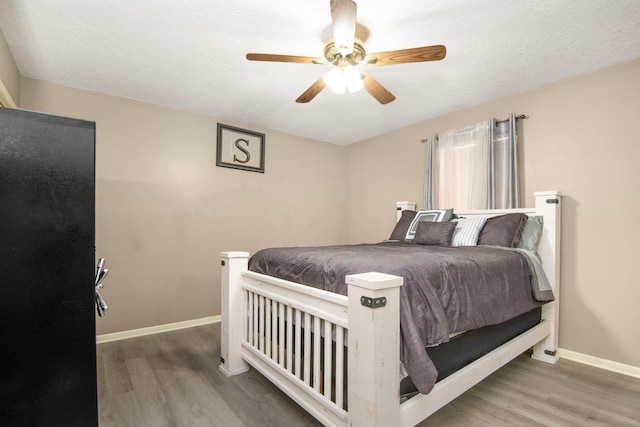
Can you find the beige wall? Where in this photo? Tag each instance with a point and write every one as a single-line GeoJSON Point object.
{"type": "Point", "coordinates": [165, 211]}
{"type": "Point", "coordinates": [9, 74]}
{"type": "Point", "coordinates": [581, 138]}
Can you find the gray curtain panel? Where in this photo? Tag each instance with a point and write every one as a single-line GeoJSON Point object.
{"type": "Point", "coordinates": [504, 192]}
{"type": "Point", "coordinates": [429, 178]}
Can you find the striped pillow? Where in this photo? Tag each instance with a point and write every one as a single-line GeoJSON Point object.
{"type": "Point", "coordinates": [467, 231]}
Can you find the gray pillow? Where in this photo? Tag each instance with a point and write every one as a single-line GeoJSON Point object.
{"type": "Point", "coordinates": [402, 226]}
{"type": "Point", "coordinates": [503, 230]}
{"type": "Point", "coordinates": [430, 215]}
{"type": "Point", "coordinates": [434, 233]}
{"type": "Point", "coordinates": [531, 233]}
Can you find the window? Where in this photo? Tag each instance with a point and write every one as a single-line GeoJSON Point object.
{"type": "Point", "coordinates": [473, 168]}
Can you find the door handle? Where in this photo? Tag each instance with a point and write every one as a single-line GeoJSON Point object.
{"type": "Point", "coordinates": [101, 273]}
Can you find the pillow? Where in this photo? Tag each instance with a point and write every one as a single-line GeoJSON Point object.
{"type": "Point", "coordinates": [531, 233]}
{"type": "Point", "coordinates": [467, 230]}
{"type": "Point", "coordinates": [431, 215]}
{"type": "Point", "coordinates": [434, 233]}
{"type": "Point", "coordinates": [503, 230]}
{"type": "Point", "coordinates": [402, 226]}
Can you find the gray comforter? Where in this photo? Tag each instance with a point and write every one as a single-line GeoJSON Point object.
{"type": "Point", "coordinates": [446, 289]}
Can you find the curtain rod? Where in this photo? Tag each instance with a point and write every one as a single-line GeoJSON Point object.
{"type": "Point", "coordinates": [521, 116]}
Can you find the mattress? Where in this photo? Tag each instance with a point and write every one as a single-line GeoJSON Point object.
{"type": "Point", "coordinates": [445, 290]}
{"type": "Point", "coordinates": [472, 345]}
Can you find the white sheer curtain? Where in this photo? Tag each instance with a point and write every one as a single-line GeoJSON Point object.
{"type": "Point", "coordinates": [462, 163]}
{"type": "Point", "coordinates": [473, 168]}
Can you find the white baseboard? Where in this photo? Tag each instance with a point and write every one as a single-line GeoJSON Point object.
{"type": "Point", "coordinates": [115, 336]}
{"type": "Point", "coordinates": [597, 362]}
{"type": "Point", "coordinates": [609, 365]}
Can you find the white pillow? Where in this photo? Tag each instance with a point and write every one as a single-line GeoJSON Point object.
{"type": "Point", "coordinates": [467, 231]}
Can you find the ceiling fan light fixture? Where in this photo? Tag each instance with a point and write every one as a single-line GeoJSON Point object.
{"type": "Point", "coordinates": [340, 79]}
{"type": "Point", "coordinates": [334, 80]}
{"type": "Point", "coordinates": [352, 79]}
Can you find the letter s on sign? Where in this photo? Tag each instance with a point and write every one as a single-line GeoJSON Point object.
{"type": "Point", "coordinates": [243, 149]}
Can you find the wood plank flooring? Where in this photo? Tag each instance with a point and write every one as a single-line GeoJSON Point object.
{"type": "Point", "coordinates": [172, 379]}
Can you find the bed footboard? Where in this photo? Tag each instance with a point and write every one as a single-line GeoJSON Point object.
{"type": "Point", "coordinates": [374, 349]}
{"type": "Point", "coordinates": [295, 335]}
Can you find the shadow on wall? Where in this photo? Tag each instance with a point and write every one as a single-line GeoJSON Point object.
{"type": "Point", "coordinates": [578, 323]}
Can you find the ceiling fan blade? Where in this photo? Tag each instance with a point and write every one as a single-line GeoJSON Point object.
{"type": "Point", "coordinates": [343, 23]}
{"type": "Point", "coordinates": [376, 90]}
{"type": "Point", "coordinates": [311, 93]}
{"type": "Point", "coordinates": [403, 56]}
{"type": "Point", "coordinates": [284, 58]}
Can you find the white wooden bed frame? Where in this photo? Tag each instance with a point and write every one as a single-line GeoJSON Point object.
{"type": "Point", "coordinates": [254, 332]}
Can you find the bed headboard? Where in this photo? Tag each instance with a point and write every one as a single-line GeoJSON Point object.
{"type": "Point", "coordinates": [403, 206]}
{"type": "Point", "coordinates": [548, 204]}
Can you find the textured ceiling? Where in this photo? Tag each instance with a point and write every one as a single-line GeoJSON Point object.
{"type": "Point", "coordinates": [190, 55]}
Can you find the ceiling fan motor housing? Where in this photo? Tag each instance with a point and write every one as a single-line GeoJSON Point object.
{"type": "Point", "coordinates": [335, 57]}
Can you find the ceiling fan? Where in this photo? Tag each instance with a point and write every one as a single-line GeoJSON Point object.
{"type": "Point", "coordinates": [344, 51]}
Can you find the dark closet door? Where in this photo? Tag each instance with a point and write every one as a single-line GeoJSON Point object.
{"type": "Point", "coordinates": [47, 256]}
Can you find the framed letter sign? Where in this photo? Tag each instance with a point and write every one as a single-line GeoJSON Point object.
{"type": "Point", "coordinates": [240, 149]}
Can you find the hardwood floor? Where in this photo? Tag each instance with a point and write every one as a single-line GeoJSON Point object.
{"type": "Point", "coordinates": [172, 379]}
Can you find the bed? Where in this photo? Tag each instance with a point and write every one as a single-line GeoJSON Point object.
{"type": "Point", "coordinates": [304, 336]}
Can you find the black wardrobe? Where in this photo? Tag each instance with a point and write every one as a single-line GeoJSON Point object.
{"type": "Point", "coordinates": [47, 256]}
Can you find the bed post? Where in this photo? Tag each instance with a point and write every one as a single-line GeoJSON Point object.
{"type": "Point", "coordinates": [233, 263]}
{"type": "Point", "coordinates": [374, 349]}
{"type": "Point", "coordinates": [403, 206]}
{"type": "Point", "coordinates": [548, 204]}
